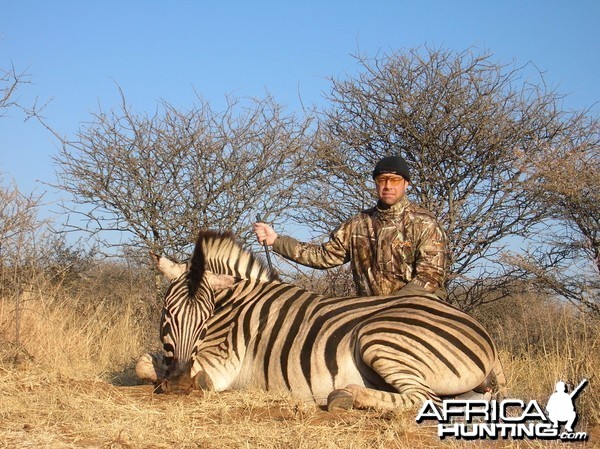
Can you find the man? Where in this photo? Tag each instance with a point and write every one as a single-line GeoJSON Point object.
{"type": "Point", "coordinates": [390, 246]}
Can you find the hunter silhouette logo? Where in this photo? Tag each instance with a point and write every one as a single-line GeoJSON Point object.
{"type": "Point", "coordinates": [560, 405]}
{"type": "Point", "coordinates": [471, 419]}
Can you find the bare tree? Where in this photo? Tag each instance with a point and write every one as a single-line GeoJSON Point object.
{"type": "Point", "coordinates": [566, 182]}
{"type": "Point", "coordinates": [464, 123]}
{"type": "Point", "coordinates": [160, 178]}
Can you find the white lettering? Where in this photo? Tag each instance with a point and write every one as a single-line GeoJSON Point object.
{"type": "Point", "coordinates": [429, 411]}
{"type": "Point", "coordinates": [577, 436]}
{"type": "Point", "coordinates": [517, 431]}
{"type": "Point", "coordinates": [504, 410]}
{"type": "Point", "coordinates": [533, 411]}
{"type": "Point", "coordinates": [452, 430]}
{"type": "Point", "coordinates": [477, 408]}
{"type": "Point", "coordinates": [512, 418]}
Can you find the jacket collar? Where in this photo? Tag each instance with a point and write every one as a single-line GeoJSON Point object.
{"type": "Point", "coordinates": [393, 211]}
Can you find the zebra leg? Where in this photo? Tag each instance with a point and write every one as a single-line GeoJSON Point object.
{"type": "Point", "coordinates": [151, 367]}
{"type": "Point", "coordinates": [411, 392]}
{"type": "Point", "coordinates": [494, 385]}
{"type": "Point", "coordinates": [411, 389]}
{"type": "Point", "coordinates": [391, 381]}
{"type": "Point", "coordinates": [367, 398]}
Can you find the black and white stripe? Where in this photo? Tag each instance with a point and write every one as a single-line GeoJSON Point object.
{"type": "Point", "coordinates": [228, 322]}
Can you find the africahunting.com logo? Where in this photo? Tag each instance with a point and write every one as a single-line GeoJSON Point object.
{"type": "Point", "coordinates": [512, 418]}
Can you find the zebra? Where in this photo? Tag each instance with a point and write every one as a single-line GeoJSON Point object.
{"type": "Point", "coordinates": [228, 322]}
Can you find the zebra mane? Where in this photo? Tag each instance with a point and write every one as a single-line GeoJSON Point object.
{"type": "Point", "coordinates": [220, 253]}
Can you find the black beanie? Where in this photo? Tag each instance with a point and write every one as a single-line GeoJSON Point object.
{"type": "Point", "coordinates": [392, 164]}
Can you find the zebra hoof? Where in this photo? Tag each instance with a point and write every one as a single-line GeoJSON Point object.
{"type": "Point", "coordinates": [339, 400]}
{"type": "Point", "coordinates": [150, 367]}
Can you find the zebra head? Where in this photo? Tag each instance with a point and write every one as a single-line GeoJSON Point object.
{"type": "Point", "coordinates": [218, 261]}
{"type": "Point", "coordinates": [188, 304]}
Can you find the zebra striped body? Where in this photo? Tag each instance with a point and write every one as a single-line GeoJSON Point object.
{"type": "Point", "coordinates": [229, 324]}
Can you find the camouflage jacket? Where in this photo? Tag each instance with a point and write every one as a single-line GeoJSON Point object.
{"type": "Point", "coordinates": [388, 249]}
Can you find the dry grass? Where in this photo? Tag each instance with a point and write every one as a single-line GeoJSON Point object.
{"type": "Point", "coordinates": [543, 341]}
{"type": "Point", "coordinates": [70, 385]}
{"type": "Point", "coordinates": [94, 414]}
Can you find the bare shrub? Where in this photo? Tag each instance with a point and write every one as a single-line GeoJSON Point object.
{"type": "Point", "coordinates": [19, 231]}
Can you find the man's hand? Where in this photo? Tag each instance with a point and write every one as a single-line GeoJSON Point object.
{"type": "Point", "coordinates": [265, 234]}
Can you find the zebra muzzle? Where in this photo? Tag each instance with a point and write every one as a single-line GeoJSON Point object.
{"type": "Point", "coordinates": [178, 379]}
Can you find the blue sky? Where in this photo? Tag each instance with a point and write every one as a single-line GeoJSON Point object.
{"type": "Point", "coordinates": [78, 52]}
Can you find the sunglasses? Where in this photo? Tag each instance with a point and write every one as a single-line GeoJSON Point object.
{"type": "Point", "coordinates": [392, 180]}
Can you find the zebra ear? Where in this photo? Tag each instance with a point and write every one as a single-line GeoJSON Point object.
{"type": "Point", "coordinates": [219, 281]}
{"type": "Point", "coordinates": [169, 269]}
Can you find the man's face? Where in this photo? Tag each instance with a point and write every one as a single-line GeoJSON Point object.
{"type": "Point", "coordinates": [390, 188]}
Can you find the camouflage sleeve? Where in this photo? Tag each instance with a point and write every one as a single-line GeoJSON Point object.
{"type": "Point", "coordinates": [332, 253]}
{"type": "Point", "coordinates": [431, 260]}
